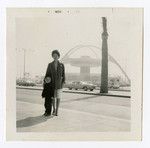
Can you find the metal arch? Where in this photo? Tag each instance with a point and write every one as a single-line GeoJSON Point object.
{"type": "Point", "coordinates": [115, 62]}
{"type": "Point", "coordinates": [72, 50]}
{"type": "Point", "coordinates": [93, 51]}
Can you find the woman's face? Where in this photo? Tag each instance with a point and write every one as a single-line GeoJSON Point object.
{"type": "Point", "coordinates": [55, 56]}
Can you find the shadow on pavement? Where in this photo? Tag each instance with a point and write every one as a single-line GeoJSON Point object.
{"type": "Point", "coordinates": [30, 121]}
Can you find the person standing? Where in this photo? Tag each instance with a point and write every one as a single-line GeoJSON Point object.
{"type": "Point", "coordinates": [56, 71]}
{"type": "Point", "coordinates": [48, 94]}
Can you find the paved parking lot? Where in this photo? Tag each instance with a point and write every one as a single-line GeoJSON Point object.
{"type": "Point", "coordinates": [78, 112]}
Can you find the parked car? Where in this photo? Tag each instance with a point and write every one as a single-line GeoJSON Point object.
{"type": "Point", "coordinates": [81, 85]}
{"type": "Point", "coordinates": [114, 83]}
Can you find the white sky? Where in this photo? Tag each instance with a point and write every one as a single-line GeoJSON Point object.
{"type": "Point", "coordinates": [41, 35]}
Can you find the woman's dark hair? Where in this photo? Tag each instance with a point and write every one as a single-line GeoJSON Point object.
{"type": "Point", "coordinates": [55, 52]}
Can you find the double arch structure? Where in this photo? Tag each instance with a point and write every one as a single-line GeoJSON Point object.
{"type": "Point", "coordinates": [110, 58]}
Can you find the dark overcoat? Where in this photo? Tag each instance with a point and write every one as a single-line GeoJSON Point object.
{"type": "Point", "coordinates": [48, 90]}
{"type": "Point", "coordinates": [57, 76]}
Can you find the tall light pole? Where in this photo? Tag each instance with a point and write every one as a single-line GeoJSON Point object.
{"type": "Point", "coordinates": [104, 67]}
{"type": "Point", "coordinates": [24, 60]}
{"type": "Point", "coordinates": [24, 67]}
{"type": "Point", "coordinates": [25, 51]}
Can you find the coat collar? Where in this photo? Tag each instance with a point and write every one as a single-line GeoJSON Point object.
{"type": "Point", "coordinates": [58, 66]}
{"type": "Point", "coordinates": [58, 62]}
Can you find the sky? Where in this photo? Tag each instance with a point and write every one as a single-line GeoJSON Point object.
{"type": "Point", "coordinates": [39, 35]}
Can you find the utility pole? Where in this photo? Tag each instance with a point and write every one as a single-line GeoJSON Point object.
{"type": "Point", "coordinates": [24, 69]}
{"type": "Point", "coordinates": [24, 60]}
{"type": "Point", "coordinates": [104, 66]}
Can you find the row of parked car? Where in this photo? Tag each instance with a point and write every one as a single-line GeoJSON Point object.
{"type": "Point", "coordinates": [77, 85]}
{"type": "Point", "coordinates": [89, 86]}
{"type": "Point", "coordinates": [25, 83]}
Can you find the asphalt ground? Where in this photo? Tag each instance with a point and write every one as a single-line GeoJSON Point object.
{"type": "Point", "coordinates": [78, 113]}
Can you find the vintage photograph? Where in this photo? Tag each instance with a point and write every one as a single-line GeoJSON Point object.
{"type": "Point", "coordinates": [77, 70]}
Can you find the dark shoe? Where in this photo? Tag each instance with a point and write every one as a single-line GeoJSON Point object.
{"type": "Point", "coordinates": [46, 114]}
{"type": "Point", "coordinates": [56, 113]}
{"type": "Point", "coordinates": [53, 113]}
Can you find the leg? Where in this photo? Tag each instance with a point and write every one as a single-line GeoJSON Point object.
{"type": "Point", "coordinates": [48, 104]}
{"type": "Point", "coordinates": [58, 97]}
{"type": "Point", "coordinates": [53, 104]}
{"type": "Point", "coordinates": [57, 105]}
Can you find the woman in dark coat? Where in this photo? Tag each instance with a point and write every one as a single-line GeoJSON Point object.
{"type": "Point", "coordinates": [56, 71]}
